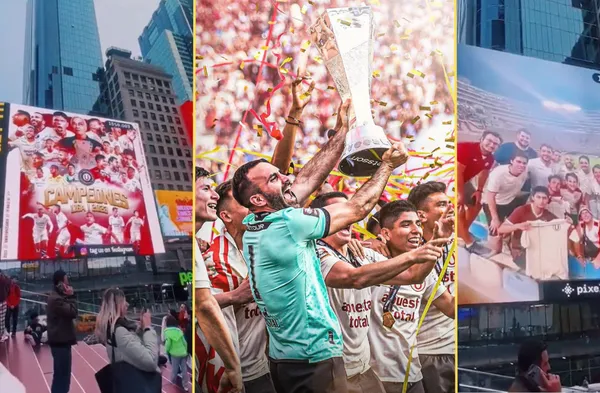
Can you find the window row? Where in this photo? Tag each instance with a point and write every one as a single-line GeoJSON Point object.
{"type": "Point", "coordinates": [145, 87]}
{"type": "Point", "coordinates": [156, 97]}
{"type": "Point", "coordinates": [150, 80]}
{"type": "Point", "coordinates": [162, 150]}
{"type": "Point", "coordinates": [170, 187]}
{"type": "Point", "coordinates": [166, 175]}
{"type": "Point", "coordinates": [165, 163]}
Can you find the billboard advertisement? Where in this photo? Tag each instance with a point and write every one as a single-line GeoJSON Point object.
{"type": "Point", "coordinates": [77, 186]}
{"type": "Point", "coordinates": [175, 212]}
{"type": "Point", "coordinates": [529, 190]}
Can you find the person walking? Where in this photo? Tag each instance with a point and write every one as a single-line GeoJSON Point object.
{"type": "Point", "coordinates": [176, 347]}
{"type": "Point", "coordinates": [12, 302]}
{"type": "Point", "coordinates": [61, 311]}
{"type": "Point", "coordinates": [4, 288]}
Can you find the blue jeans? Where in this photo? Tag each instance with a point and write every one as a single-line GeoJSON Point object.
{"type": "Point", "coordinates": [61, 379]}
{"type": "Point", "coordinates": [179, 365]}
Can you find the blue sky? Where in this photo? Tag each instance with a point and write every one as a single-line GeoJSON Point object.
{"type": "Point", "coordinates": [131, 16]}
{"type": "Point", "coordinates": [528, 79]}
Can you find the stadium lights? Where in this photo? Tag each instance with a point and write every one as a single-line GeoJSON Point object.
{"type": "Point", "coordinates": [564, 107]}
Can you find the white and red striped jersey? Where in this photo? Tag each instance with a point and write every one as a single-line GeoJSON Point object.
{"type": "Point", "coordinates": [227, 269]}
{"type": "Point", "coordinates": [436, 336]}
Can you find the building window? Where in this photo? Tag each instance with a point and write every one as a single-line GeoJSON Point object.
{"type": "Point", "coordinates": [172, 129]}
{"type": "Point", "coordinates": [163, 128]}
{"type": "Point", "coordinates": [140, 94]}
{"type": "Point", "coordinates": [171, 100]}
{"type": "Point", "coordinates": [131, 92]}
{"type": "Point", "coordinates": [174, 165]}
{"type": "Point", "coordinates": [136, 77]}
{"type": "Point", "coordinates": [145, 87]}
{"type": "Point", "coordinates": [186, 177]}
{"type": "Point", "coordinates": [167, 109]}
{"type": "Point", "coordinates": [167, 139]}
{"type": "Point", "coordinates": [161, 186]}
{"type": "Point", "coordinates": [180, 131]}
{"type": "Point", "coordinates": [158, 138]}
{"type": "Point", "coordinates": [152, 149]}
{"type": "Point", "coordinates": [190, 164]}
{"type": "Point", "coordinates": [167, 84]}
{"type": "Point", "coordinates": [175, 140]}
{"type": "Point", "coordinates": [161, 117]}
{"type": "Point", "coordinates": [184, 143]}
{"type": "Point", "coordinates": [182, 164]}
{"type": "Point", "coordinates": [159, 108]}
{"type": "Point", "coordinates": [177, 121]}
{"type": "Point", "coordinates": [179, 187]}
{"type": "Point", "coordinates": [145, 116]}
{"type": "Point", "coordinates": [146, 124]}
{"type": "Point", "coordinates": [154, 161]}
{"type": "Point", "coordinates": [148, 96]}
{"type": "Point", "coordinates": [151, 80]}
{"type": "Point", "coordinates": [161, 150]}
{"type": "Point", "coordinates": [170, 119]}
{"type": "Point", "coordinates": [159, 82]}
{"type": "Point", "coordinates": [179, 153]}
{"type": "Point", "coordinates": [187, 153]}
{"type": "Point", "coordinates": [136, 113]}
{"type": "Point", "coordinates": [164, 100]}
{"type": "Point", "coordinates": [167, 175]}
{"type": "Point", "coordinates": [155, 127]}
{"type": "Point", "coordinates": [165, 163]}
{"type": "Point", "coordinates": [127, 83]}
{"type": "Point", "coordinates": [68, 71]}
{"type": "Point", "coordinates": [127, 75]}
{"type": "Point", "coordinates": [133, 103]}
{"type": "Point", "coordinates": [170, 150]}
{"type": "Point", "coordinates": [150, 138]}
{"type": "Point", "coordinates": [153, 116]}
{"type": "Point", "coordinates": [151, 106]}
{"type": "Point", "coordinates": [157, 175]}
{"type": "Point", "coordinates": [176, 175]}
{"type": "Point", "coordinates": [160, 90]}
{"type": "Point", "coordinates": [168, 91]}
{"type": "Point", "coordinates": [170, 187]}
{"type": "Point", "coordinates": [142, 104]}
{"type": "Point", "coordinates": [143, 79]}
{"type": "Point", "coordinates": [156, 98]}
{"type": "Point", "coordinates": [136, 84]}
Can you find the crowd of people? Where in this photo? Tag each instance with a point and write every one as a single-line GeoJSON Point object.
{"type": "Point", "coordinates": [230, 35]}
{"type": "Point", "coordinates": [516, 185]}
{"type": "Point", "coordinates": [339, 311]}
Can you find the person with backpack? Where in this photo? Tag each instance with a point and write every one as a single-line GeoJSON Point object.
{"type": "Point", "coordinates": [177, 348]}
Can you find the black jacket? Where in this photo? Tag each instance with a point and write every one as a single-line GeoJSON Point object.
{"type": "Point", "coordinates": [61, 312]}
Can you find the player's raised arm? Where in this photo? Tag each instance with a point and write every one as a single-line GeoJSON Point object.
{"type": "Point", "coordinates": [314, 173]}
{"type": "Point", "coordinates": [365, 199]}
{"type": "Point", "coordinates": [49, 224]}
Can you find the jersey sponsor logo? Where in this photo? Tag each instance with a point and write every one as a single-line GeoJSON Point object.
{"type": "Point", "coordinates": [257, 227]}
{"type": "Point", "coordinates": [311, 212]}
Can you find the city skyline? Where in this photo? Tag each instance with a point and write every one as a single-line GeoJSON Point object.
{"type": "Point", "coordinates": [132, 16]}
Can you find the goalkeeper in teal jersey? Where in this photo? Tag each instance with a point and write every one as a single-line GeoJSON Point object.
{"type": "Point", "coordinates": [305, 341]}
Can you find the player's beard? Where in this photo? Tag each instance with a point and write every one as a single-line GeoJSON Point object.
{"type": "Point", "coordinates": [276, 201]}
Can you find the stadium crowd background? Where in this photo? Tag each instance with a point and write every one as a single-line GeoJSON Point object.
{"type": "Point", "coordinates": [409, 37]}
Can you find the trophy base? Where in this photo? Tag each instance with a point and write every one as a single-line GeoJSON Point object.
{"type": "Point", "coordinates": [364, 148]}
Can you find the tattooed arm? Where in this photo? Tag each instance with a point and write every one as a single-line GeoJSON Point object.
{"type": "Point", "coordinates": [314, 173]}
{"type": "Point", "coordinates": [365, 199]}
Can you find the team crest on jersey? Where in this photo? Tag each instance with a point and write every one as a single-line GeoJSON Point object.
{"type": "Point", "coordinates": [418, 287]}
{"type": "Point", "coordinates": [310, 212]}
{"type": "Point", "coordinates": [322, 253]}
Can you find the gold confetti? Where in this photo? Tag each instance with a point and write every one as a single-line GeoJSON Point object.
{"type": "Point", "coordinates": [433, 103]}
{"type": "Point", "coordinates": [305, 46]}
{"type": "Point", "coordinates": [397, 24]}
{"type": "Point", "coordinates": [304, 96]}
{"type": "Point", "coordinates": [216, 231]}
{"type": "Point", "coordinates": [205, 71]}
{"type": "Point", "coordinates": [405, 37]}
{"type": "Point", "coordinates": [311, 2]}
{"type": "Point", "coordinates": [335, 114]}
{"type": "Point", "coordinates": [450, 146]}
{"type": "Point", "coordinates": [264, 47]}
{"type": "Point", "coordinates": [304, 9]}
{"type": "Point", "coordinates": [199, 57]}
{"type": "Point", "coordinates": [330, 88]}
{"type": "Point", "coordinates": [242, 66]}
{"type": "Point", "coordinates": [416, 72]}
{"type": "Point", "coordinates": [257, 55]}
{"type": "Point", "coordinates": [283, 70]}
{"type": "Point", "coordinates": [447, 122]}
{"type": "Point", "coordinates": [382, 103]}
{"type": "Point", "coordinates": [393, 48]}
{"type": "Point", "coordinates": [424, 108]}
{"type": "Point", "coordinates": [318, 59]}
{"type": "Point", "coordinates": [292, 29]}
{"type": "Point", "coordinates": [416, 119]}
{"type": "Point", "coordinates": [451, 74]}
{"type": "Point", "coordinates": [345, 22]}
{"type": "Point", "coordinates": [374, 2]}
{"type": "Point", "coordinates": [271, 22]}
{"type": "Point", "coordinates": [270, 89]}
{"type": "Point", "coordinates": [245, 88]}
{"type": "Point", "coordinates": [258, 128]}
{"type": "Point", "coordinates": [376, 74]}
{"type": "Point", "coordinates": [429, 115]}
{"type": "Point", "coordinates": [380, 35]}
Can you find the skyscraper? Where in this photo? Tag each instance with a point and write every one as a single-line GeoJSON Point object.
{"type": "Point", "coordinates": [167, 41]}
{"type": "Point", "coordinates": [62, 55]}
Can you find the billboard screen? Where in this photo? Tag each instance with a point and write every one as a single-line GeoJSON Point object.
{"type": "Point", "coordinates": [77, 186]}
{"type": "Point", "coordinates": [530, 191]}
{"type": "Point", "coordinates": [175, 212]}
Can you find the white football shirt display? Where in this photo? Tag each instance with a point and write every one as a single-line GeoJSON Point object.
{"type": "Point", "coordinates": [546, 246]}
{"type": "Point", "coordinates": [390, 348]}
{"type": "Point", "coordinates": [506, 186]}
{"type": "Point", "coordinates": [93, 233]}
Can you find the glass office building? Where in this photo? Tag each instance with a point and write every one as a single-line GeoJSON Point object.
{"type": "Point", "coordinates": [564, 31]}
{"type": "Point", "coordinates": [62, 56]}
{"type": "Point", "coordinates": [167, 41]}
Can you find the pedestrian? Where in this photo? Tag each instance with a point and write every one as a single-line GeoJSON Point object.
{"type": "Point", "coordinates": [176, 348]}
{"type": "Point", "coordinates": [4, 288]}
{"type": "Point", "coordinates": [12, 302]}
{"type": "Point", "coordinates": [61, 313]}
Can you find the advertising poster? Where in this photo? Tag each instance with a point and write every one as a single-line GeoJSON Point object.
{"type": "Point", "coordinates": [175, 212]}
{"type": "Point", "coordinates": [541, 233]}
{"type": "Point", "coordinates": [77, 186]}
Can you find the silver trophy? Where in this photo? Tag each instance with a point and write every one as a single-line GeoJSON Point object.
{"type": "Point", "coordinates": [344, 38]}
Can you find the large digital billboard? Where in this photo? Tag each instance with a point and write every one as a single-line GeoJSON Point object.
{"type": "Point", "coordinates": [75, 185]}
{"type": "Point", "coordinates": [529, 184]}
{"type": "Point", "coordinates": [175, 212]}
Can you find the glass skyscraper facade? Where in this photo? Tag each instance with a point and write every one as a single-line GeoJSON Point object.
{"type": "Point", "coordinates": [167, 41]}
{"type": "Point", "coordinates": [62, 56]}
{"type": "Point", "coordinates": [565, 31]}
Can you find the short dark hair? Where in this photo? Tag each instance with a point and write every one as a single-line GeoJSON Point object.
{"type": "Point", "coordinates": [58, 277]}
{"type": "Point", "coordinates": [171, 321]}
{"type": "Point", "coordinates": [241, 187]}
{"type": "Point", "coordinates": [420, 193]}
{"type": "Point", "coordinates": [61, 114]}
{"type": "Point", "coordinates": [99, 157]}
{"type": "Point", "coordinates": [554, 177]}
{"type": "Point", "coordinates": [390, 212]}
{"type": "Point", "coordinates": [530, 353]}
{"type": "Point", "coordinates": [546, 145]}
{"type": "Point", "coordinates": [597, 166]}
{"type": "Point", "coordinates": [541, 189]}
{"type": "Point", "coordinates": [321, 200]}
{"type": "Point", "coordinates": [524, 131]}
{"type": "Point", "coordinates": [201, 172]}
{"type": "Point", "coordinates": [492, 133]}
{"type": "Point", "coordinates": [519, 153]}
{"type": "Point", "coordinates": [128, 152]}
{"type": "Point", "coordinates": [112, 158]}
{"type": "Point", "coordinates": [22, 112]}
{"type": "Point", "coordinates": [585, 158]}
{"type": "Point", "coordinates": [373, 222]}
{"type": "Point", "coordinates": [222, 189]}
{"type": "Point", "coordinates": [573, 175]}
{"type": "Point", "coordinates": [93, 119]}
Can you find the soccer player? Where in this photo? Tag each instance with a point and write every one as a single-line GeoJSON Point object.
{"type": "Point", "coordinates": [475, 159]}
{"type": "Point", "coordinates": [436, 336]}
{"type": "Point", "coordinates": [396, 310]}
{"type": "Point", "coordinates": [126, 140]}
{"type": "Point", "coordinates": [49, 151]}
{"type": "Point", "coordinates": [70, 177]}
{"type": "Point", "coordinates": [92, 231]}
{"type": "Point", "coordinates": [117, 226]}
{"type": "Point", "coordinates": [60, 123]}
{"type": "Point", "coordinates": [212, 326]}
{"type": "Point", "coordinates": [37, 120]}
{"type": "Point", "coordinates": [63, 238]}
{"type": "Point", "coordinates": [279, 245]}
{"type": "Point", "coordinates": [27, 145]}
{"type": "Point", "coordinates": [100, 171]}
{"type": "Point", "coordinates": [95, 129]}
{"type": "Point", "coordinates": [41, 226]}
{"type": "Point", "coordinates": [129, 180]}
{"type": "Point", "coordinates": [135, 232]}
{"type": "Point", "coordinates": [85, 148]}
{"type": "Point", "coordinates": [349, 279]}
{"type": "Point", "coordinates": [55, 179]}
